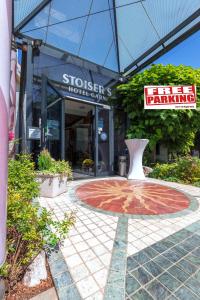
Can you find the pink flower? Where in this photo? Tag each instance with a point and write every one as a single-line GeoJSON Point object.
{"type": "Point", "coordinates": [11, 136]}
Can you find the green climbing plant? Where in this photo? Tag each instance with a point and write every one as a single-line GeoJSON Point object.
{"type": "Point", "coordinates": [176, 129]}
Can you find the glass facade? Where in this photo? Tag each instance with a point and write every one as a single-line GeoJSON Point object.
{"type": "Point", "coordinates": [73, 113]}
{"type": "Point", "coordinates": [53, 126]}
{"type": "Point", "coordinates": [103, 141]}
{"type": "Point", "coordinates": [120, 35]}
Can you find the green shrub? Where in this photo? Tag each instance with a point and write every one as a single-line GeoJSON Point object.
{"type": "Point", "coordinates": [46, 164]}
{"type": "Point", "coordinates": [44, 160]}
{"type": "Point", "coordinates": [30, 228]}
{"type": "Point", "coordinates": [21, 177]}
{"type": "Point", "coordinates": [63, 167]}
{"type": "Point", "coordinates": [163, 171]}
{"type": "Point", "coordinates": [188, 169]}
{"type": "Point", "coordinates": [184, 170]}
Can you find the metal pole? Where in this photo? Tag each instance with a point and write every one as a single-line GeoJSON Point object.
{"type": "Point", "coordinates": [62, 129]}
{"type": "Point", "coordinates": [12, 111]}
{"type": "Point", "coordinates": [22, 96]}
{"type": "Point", "coordinates": [111, 142]}
{"type": "Point", "coordinates": [5, 50]}
{"type": "Point", "coordinates": [43, 112]}
{"type": "Point", "coordinates": [29, 96]}
{"type": "Point", "coordinates": [96, 147]}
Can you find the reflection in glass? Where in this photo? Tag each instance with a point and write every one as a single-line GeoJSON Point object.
{"type": "Point", "coordinates": [103, 142]}
{"type": "Point", "coordinates": [53, 131]}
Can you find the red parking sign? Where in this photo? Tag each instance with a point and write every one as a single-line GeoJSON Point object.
{"type": "Point", "coordinates": [170, 97]}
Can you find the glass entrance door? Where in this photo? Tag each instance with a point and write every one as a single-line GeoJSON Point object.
{"type": "Point", "coordinates": [104, 142]}
{"type": "Point", "coordinates": [79, 137]}
{"type": "Point", "coordinates": [79, 132]}
{"type": "Point", "coordinates": [51, 119]}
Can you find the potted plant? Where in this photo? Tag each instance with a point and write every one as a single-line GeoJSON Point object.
{"type": "Point", "coordinates": [52, 175]}
{"type": "Point", "coordinates": [88, 164]}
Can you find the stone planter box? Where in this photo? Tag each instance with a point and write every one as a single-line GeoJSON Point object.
{"type": "Point", "coordinates": [52, 185]}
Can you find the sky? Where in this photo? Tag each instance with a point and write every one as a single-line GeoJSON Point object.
{"type": "Point", "coordinates": [186, 53]}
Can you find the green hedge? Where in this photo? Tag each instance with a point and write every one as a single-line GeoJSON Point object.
{"type": "Point", "coordinates": [184, 170]}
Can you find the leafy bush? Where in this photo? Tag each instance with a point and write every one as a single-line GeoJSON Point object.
{"type": "Point", "coordinates": [45, 161]}
{"type": "Point", "coordinates": [184, 170]}
{"type": "Point", "coordinates": [175, 129]}
{"type": "Point", "coordinates": [22, 177]}
{"type": "Point", "coordinates": [30, 227]}
{"type": "Point", "coordinates": [47, 165]}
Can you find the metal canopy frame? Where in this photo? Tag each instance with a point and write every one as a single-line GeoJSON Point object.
{"type": "Point", "coordinates": [137, 64]}
{"type": "Point", "coordinates": [167, 48]}
{"type": "Point", "coordinates": [116, 35]}
{"type": "Point", "coordinates": [167, 37]}
{"type": "Point", "coordinates": [101, 69]}
{"type": "Point", "coordinates": [28, 18]}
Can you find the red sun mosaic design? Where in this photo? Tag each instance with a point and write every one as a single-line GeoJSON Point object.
{"type": "Point", "coordinates": [132, 197]}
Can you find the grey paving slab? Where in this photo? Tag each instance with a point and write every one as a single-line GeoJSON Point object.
{"type": "Point", "coordinates": [185, 294]}
{"type": "Point", "coordinates": [113, 289]}
{"type": "Point", "coordinates": [50, 294]}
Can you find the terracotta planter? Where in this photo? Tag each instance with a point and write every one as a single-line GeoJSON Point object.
{"type": "Point", "coordinates": [136, 148]}
{"type": "Point", "coordinates": [52, 185]}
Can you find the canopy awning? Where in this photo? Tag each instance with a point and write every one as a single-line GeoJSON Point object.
{"type": "Point", "coordinates": [121, 35]}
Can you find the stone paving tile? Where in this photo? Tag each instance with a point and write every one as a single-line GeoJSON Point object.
{"type": "Point", "coordinates": [178, 273]}
{"type": "Point", "coordinates": [141, 295]}
{"type": "Point", "coordinates": [153, 268]}
{"type": "Point", "coordinates": [87, 286]}
{"type": "Point", "coordinates": [185, 294]}
{"type": "Point", "coordinates": [79, 272]}
{"type": "Point", "coordinates": [142, 275]}
{"type": "Point", "coordinates": [174, 270]}
{"type": "Point", "coordinates": [105, 258]}
{"type": "Point", "coordinates": [94, 265]}
{"type": "Point", "coordinates": [96, 296]}
{"type": "Point", "coordinates": [169, 281]}
{"type": "Point", "coordinates": [193, 285]}
{"type": "Point", "coordinates": [132, 284]}
{"type": "Point", "coordinates": [141, 257]}
{"type": "Point", "coordinates": [69, 293]}
{"type": "Point", "coordinates": [187, 266]}
{"type": "Point", "coordinates": [197, 275]}
{"type": "Point", "coordinates": [157, 290]}
{"type": "Point", "coordinates": [162, 252]}
{"type": "Point", "coordinates": [162, 261]}
{"type": "Point", "coordinates": [101, 277]}
{"type": "Point", "coordinates": [131, 263]}
{"type": "Point", "coordinates": [62, 280]}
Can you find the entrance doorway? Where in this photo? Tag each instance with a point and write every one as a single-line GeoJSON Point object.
{"type": "Point", "coordinates": [80, 137]}
{"type": "Point", "coordinates": [88, 139]}
{"type": "Point", "coordinates": [78, 131]}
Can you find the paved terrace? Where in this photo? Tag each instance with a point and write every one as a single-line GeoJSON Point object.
{"type": "Point", "coordinates": [131, 240]}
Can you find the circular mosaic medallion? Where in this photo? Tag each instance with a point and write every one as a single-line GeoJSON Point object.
{"type": "Point", "coordinates": [132, 197]}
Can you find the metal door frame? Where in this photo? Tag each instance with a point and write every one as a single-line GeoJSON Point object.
{"type": "Point", "coordinates": [44, 107]}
